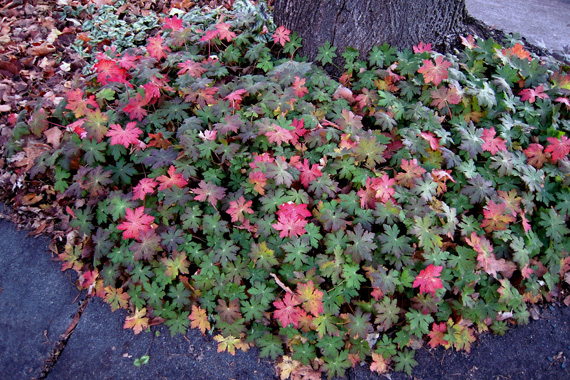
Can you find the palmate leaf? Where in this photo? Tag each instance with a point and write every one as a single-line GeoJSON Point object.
{"type": "Point", "coordinates": [392, 243]}
{"type": "Point", "coordinates": [555, 227]}
{"type": "Point", "coordinates": [337, 365]}
{"type": "Point", "coordinates": [331, 216]}
{"type": "Point", "coordinates": [278, 171]}
{"type": "Point", "coordinates": [387, 313]}
{"type": "Point", "coordinates": [361, 244]}
{"type": "Point", "coordinates": [270, 345]}
{"type": "Point", "coordinates": [428, 280]}
{"type": "Point", "coordinates": [496, 217]}
{"type": "Point", "coordinates": [147, 246]}
{"type": "Point", "coordinates": [326, 53]}
{"type": "Point", "coordinates": [297, 250]}
{"type": "Point", "coordinates": [332, 267]}
{"type": "Point", "coordinates": [427, 234]}
{"type": "Point", "coordinates": [478, 189]}
{"type": "Point", "coordinates": [383, 279]}
{"type": "Point", "coordinates": [310, 298]}
{"type": "Point", "coordinates": [370, 151]}
{"type": "Point", "coordinates": [405, 361]}
{"type": "Point", "coordinates": [471, 140]}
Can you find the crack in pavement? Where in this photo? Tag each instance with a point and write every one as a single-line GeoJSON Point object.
{"type": "Point", "coordinates": [50, 362]}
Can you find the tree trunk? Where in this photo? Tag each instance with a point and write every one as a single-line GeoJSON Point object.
{"type": "Point", "coordinates": [361, 24]}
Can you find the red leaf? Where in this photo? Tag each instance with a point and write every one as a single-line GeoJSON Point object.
{"type": "Point", "coordinates": [258, 180]}
{"type": "Point", "coordinates": [487, 259]}
{"type": "Point", "coordinates": [436, 335]}
{"type": "Point", "coordinates": [125, 137]}
{"type": "Point", "coordinates": [108, 71]}
{"type": "Point", "coordinates": [224, 31]}
{"type": "Point", "coordinates": [173, 178]}
{"type": "Point", "coordinates": [536, 155]}
{"type": "Point", "coordinates": [194, 69]}
{"type": "Point", "coordinates": [287, 310]}
{"type": "Point", "coordinates": [558, 148]}
{"type": "Point", "coordinates": [291, 219]}
{"type": "Point", "coordinates": [278, 135]}
{"type": "Point", "coordinates": [531, 94]}
{"type": "Point", "coordinates": [135, 107]}
{"type": "Point", "coordinates": [210, 35]}
{"type": "Point", "coordinates": [127, 61]}
{"type": "Point", "coordinates": [299, 88]}
{"type": "Point", "coordinates": [290, 226]}
{"type": "Point", "coordinates": [155, 48]}
{"type": "Point", "coordinates": [495, 217]}
{"type": "Point", "coordinates": [435, 73]}
{"type": "Point", "coordinates": [173, 23]}
{"type": "Point", "coordinates": [468, 42]}
{"type": "Point", "coordinates": [517, 50]}
{"type": "Point", "coordinates": [443, 97]}
{"type": "Point", "coordinates": [235, 98]}
{"type": "Point", "coordinates": [294, 210]}
{"type": "Point", "coordinates": [238, 208]}
{"type": "Point", "coordinates": [308, 173]}
{"type": "Point", "coordinates": [428, 280]}
{"type": "Point", "coordinates": [421, 48]}
{"type": "Point", "coordinates": [491, 143]}
{"type": "Point", "coordinates": [145, 186]}
{"type": "Point", "coordinates": [136, 221]}
{"type": "Point", "coordinates": [281, 35]}
{"type": "Point", "coordinates": [563, 101]}
{"type": "Point", "coordinates": [376, 189]}
{"type": "Point", "coordinates": [77, 104]}
{"type": "Point", "coordinates": [411, 171]}
{"type": "Point", "coordinates": [433, 141]}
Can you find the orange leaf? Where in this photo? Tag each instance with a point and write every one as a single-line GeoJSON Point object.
{"type": "Point", "coordinates": [137, 322]}
{"type": "Point", "coordinates": [199, 319]}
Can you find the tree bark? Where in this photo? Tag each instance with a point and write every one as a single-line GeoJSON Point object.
{"type": "Point", "coordinates": [361, 24]}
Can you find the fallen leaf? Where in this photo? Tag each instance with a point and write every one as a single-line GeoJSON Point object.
{"type": "Point", "coordinates": [53, 136]}
{"type": "Point", "coordinates": [30, 199]}
{"type": "Point", "coordinates": [41, 49]}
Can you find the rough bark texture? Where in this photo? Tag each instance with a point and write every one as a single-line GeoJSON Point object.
{"type": "Point", "coordinates": [361, 24]}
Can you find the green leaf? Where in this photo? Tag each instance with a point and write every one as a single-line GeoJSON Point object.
{"type": "Point", "coordinates": [405, 361]}
{"type": "Point", "coordinates": [336, 366]}
{"type": "Point", "coordinates": [271, 346]}
{"type": "Point", "coordinates": [326, 53]}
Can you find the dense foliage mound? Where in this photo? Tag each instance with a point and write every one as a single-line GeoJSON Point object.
{"type": "Point", "coordinates": [213, 179]}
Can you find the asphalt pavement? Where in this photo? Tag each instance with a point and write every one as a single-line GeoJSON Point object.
{"type": "Point", "coordinates": [48, 330]}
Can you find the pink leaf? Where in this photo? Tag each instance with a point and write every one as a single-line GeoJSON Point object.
{"type": "Point", "coordinates": [125, 137]}
{"type": "Point", "coordinates": [491, 143]}
{"type": "Point", "coordinates": [136, 221]}
{"type": "Point", "coordinates": [173, 178]}
{"type": "Point", "coordinates": [145, 186]}
{"type": "Point", "coordinates": [558, 148]}
{"type": "Point", "coordinates": [238, 208]}
{"type": "Point", "coordinates": [281, 35]}
{"type": "Point", "coordinates": [209, 191]}
{"type": "Point", "coordinates": [428, 280]}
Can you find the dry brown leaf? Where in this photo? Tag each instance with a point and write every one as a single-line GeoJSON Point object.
{"type": "Point", "coordinates": [32, 152]}
{"type": "Point", "coordinates": [41, 49]}
{"type": "Point", "coordinates": [53, 136]}
{"type": "Point", "coordinates": [30, 199]}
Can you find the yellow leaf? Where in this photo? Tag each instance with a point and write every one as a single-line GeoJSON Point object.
{"type": "Point", "coordinates": [137, 322]}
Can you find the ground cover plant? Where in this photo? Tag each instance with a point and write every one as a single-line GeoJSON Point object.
{"type": "Point", "coordinates": [213, 179]}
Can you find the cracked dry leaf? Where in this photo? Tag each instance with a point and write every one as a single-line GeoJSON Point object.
{"type": "Point", "coordinates": [53, 136]}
